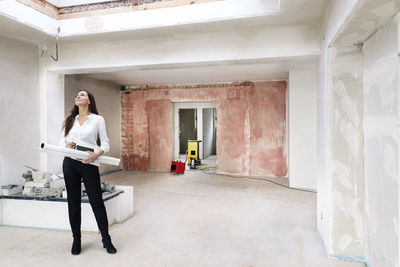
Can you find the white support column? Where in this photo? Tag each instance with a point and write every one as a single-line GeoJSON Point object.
{"type": "Point", "coordinates": [51, 116]}
{"type": "Point", "coordinates": [303, 129]}
{"type": "Point", "coordinates": [43, 116]}
{"type": "Point", "coordinates": [1, 211]}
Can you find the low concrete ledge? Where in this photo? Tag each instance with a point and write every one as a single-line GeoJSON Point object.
{"type": "Point", "coordinates": [52, 213]}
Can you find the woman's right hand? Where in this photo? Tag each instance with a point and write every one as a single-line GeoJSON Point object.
{"type": "Point", "coordinates": [70, 144]}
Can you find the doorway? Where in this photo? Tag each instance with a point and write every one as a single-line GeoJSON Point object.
{"type": "Point", "coordinates": [187, 128]}
{"type": "Point", "coordinates": [195, 121]}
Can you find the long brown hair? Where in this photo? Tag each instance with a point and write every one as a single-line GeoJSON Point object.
{"type": "Point", "coordinates": [69, 121]}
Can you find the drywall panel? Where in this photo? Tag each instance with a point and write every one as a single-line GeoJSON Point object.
{"type": "Point", "coordinates": [336, 12]}
{"type": "Point", "coordinates": [346, 151]}
{"type": "Point", "coordinates": [303, 129]}
{"type": "Point", "coordinates": [107, 97]}
{"type": "Point", "coordinates": [381, 85]}
{"type": "Point", "coordinates": [19, 109]}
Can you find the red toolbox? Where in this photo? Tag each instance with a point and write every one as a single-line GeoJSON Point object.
{"type": "Point", "coordinates": [178, 166]}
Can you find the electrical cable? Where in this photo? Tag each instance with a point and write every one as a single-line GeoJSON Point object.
{"type": "Point", "coordinates": [258, 178]}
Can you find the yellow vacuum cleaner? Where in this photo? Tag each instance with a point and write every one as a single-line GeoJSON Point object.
{"type": "Point", "coordinates": [193, 153]}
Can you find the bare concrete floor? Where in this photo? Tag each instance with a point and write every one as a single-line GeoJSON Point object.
{"type": "Point", "coordinates": [195, 219]}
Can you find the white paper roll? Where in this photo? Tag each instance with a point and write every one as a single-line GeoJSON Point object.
{"type": "Point", "coordinates": [69, 152]}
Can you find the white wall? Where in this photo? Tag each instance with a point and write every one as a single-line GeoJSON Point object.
{"type": "Point", "coordinates": [381, 120]}
{"type": "Point", "coordinates": [108, 102]}
{"type": "Point", "coordinates": [19, 109]}
{"type": "Point", "coordinates": [303, 129]}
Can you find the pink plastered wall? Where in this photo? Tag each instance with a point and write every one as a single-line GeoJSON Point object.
{"type": "Point", "coordinates": [251, 127]}
{"type": "Point", "coordinates": [268, 130]}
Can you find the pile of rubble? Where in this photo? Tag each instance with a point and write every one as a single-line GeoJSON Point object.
{"type": "Point", "coordinates": [10, 189]}
{"type": "Point", "coordinates": [42, 184]}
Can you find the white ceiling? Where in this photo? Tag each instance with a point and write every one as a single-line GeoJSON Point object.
{"type": "Point", "coordinates": [218, 72]}
{"type": "Point", "coordinates": [292, 12]}
{"type": "Point", "coordinates": [16, 30]}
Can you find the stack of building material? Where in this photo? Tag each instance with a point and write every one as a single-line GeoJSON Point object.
{"type": "Point", "coordinates": [11, 189]}
{"type": "Point", "coordinates": [42, 185]}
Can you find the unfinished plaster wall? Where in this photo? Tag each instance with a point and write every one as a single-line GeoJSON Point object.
{"type": "Point", "coordinates": [107, 96]}
{"type": "Point", "coordinates": [19, 109]}
{"type": "Point", "coordinates": [381, 112]}
{"type": "Point", "coordinates": [303, 129]}
{"type": "Point", "coordinates": [233, 131]}
{"type": "Point", "coordinates": [147, 140]}
{"type": "Point", "coordinates": [268, 139]}
{"type": "Point", "coordinates": [346, 172]}
{"type": "Point", "coordinates": [334, 16]}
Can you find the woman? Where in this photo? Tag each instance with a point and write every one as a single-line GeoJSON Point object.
{"type": "Point", "coordinates": [85, 123]}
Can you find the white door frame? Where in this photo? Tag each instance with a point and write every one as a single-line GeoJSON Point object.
{"type": "Point", "coordinates": [190, 105]}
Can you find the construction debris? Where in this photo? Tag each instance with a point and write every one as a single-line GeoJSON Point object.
{"type": "Point", "coordinates": [42, 184]}
{"type": "Point", "coordinates": [11, 189]}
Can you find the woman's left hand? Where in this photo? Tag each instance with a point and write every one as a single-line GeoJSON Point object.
{"type": "Point", "coordinates": [92, 157]}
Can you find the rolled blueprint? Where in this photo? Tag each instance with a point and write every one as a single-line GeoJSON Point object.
{"type": "Point", "coordinates": [69, 152]}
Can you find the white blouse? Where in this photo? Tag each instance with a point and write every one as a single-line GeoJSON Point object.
{"type": "Point", "coordinates": [94, 127]}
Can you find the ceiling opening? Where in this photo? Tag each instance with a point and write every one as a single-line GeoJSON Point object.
{"type": "Point", "coordinates": [66, 9]}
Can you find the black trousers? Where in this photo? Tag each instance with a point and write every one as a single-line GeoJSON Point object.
{"type": "Point", "coordinates": [74, 171]}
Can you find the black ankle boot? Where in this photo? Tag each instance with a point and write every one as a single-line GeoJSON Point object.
{"type": "Point", "coordinates": [108, 245]}
{"type": "Point", "coordinates": [76, 246]}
